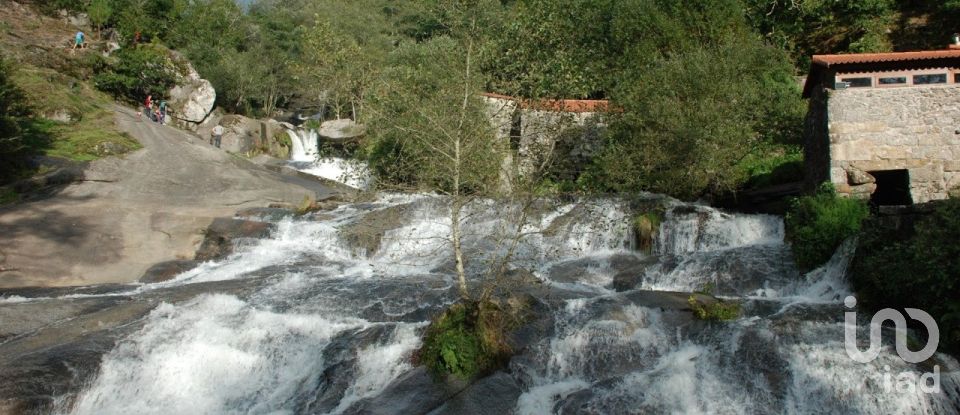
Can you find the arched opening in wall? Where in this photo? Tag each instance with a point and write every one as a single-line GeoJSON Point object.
{"type": "Point", "coordinates": [516, 130]}
{"type": "Point", "coordinates": [893, 188]}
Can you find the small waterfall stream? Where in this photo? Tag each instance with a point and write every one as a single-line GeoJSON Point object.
{"type": "Point", "coordinates": [324, 317]}
{"type": "Point", "coordinates": [305, 156]}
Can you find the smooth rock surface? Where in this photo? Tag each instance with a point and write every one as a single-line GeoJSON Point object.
{"type": "Point", "coordinates": [130, 213]}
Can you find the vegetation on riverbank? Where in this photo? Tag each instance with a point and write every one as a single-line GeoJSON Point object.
{"type": "Point", "coordinates": [468, 339]}
{"type": "Point", "coordinates": [914, 266]}
{"type": "Point", "coordinates": [51, 114]}
{"type": "Point", "coordinates": [817, 225]}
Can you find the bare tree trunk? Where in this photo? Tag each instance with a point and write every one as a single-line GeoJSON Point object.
{"type": "Point", "coordinates": [455, 210]}
{"type": "Point", "coordinates": [457, 197]}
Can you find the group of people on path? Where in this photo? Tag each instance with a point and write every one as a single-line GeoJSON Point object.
{"type": "Point", "coordinates": [157, 112]}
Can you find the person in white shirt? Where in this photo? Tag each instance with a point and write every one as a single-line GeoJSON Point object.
{"type": "Point", "coordinates": [216, 135]}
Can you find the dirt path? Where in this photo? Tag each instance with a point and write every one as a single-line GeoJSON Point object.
{"type": "Point", "coordinates": [134, 211]}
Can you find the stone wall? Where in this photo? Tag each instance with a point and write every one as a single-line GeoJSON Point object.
{"type": "Point", "coordinates": [539, 132]}
{"type": "Point", "coordinates": [912, 128]}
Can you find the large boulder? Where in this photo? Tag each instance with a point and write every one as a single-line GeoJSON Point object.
{"type": "Point", "coordinates": [341, 130]}
{"type": "Point", "coordinates": [192, 99]}
{"type": "Point", "coordinates": [240, 133]}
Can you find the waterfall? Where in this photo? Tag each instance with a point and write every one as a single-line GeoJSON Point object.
{"type": "Point", "coordinates": [326, 315]}
{"type": "Point", "coordinates": [304, 144]}
{"type": "Point", "coordinates": [305, 157]}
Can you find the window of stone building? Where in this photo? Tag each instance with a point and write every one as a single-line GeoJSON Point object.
{"type": "Point", "coordinates": [865, 82]}
{"type": "Point", "coordinates": [893, 188]}
{"type": "Point", "coordinates": [939, 78]}
{"type": "Point", "coordinates": [956, 78]}
{"type": "Point", "coordinates": [516, 130]}
{"type": "Point", "coordinates": [892, 80]}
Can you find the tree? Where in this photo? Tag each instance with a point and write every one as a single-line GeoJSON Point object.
{"type": "Point", "coordinates": [99, 12]}
{"type": "Point", "coordinates": [12, 108]}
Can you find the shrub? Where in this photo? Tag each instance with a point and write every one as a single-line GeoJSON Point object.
{"type": "Point", "coordinates": [717, 310]}
{"type": "Point", "coordinates": [646, 226]}
{"type": "Point", "coordinates": [467, 340]}
{"type": "Point", "coordinates": [13, 108]}
{"type": "Point", "coordinates": [817, 225]}
{"type": "Point", "coordinates": [137, 72]}
{"type": "Point", "coordinates": [916, 268]}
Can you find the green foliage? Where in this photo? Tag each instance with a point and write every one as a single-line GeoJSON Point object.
{"type": "Point", "coordinates": [916, 268]}
{"type": "Point", "coordinates": [807, 27]}
{"type": "Point", "coordinates": [690, 118]}
{"type": "Point", "coordinates": [420, 117]}
{"type": "Point", "coordinates": [99, 12]}
{"type": "Point", "coordinates": [8, 195]}
{"type": "Point", "coordinates": [773, 165]}
{"type": "Point", "coordinates": [467, 340]}
{"type": "Point", "coordinates": [13, 108]}
{"type": "Point", "coordinates": [137, 72]}
{"type": "Point", "coordinates": [714, 310]}
{"type": "Point", "coordinates": [817, 225]}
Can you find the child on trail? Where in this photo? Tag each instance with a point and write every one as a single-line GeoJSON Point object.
{"type": "Point", "coordinates": [163, 111]}
{"type": "Point", "coordinates": [78, 41]}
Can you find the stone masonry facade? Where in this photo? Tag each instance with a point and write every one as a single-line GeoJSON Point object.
{"type": "Point", "coordinates": [866, 130]}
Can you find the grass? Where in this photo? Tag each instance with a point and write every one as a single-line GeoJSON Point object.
{"type": "Point", "coordinates": [90, 135]}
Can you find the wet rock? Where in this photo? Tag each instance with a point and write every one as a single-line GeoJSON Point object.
{"type": "Point", "coordinates": [341, 358]}
{"type": "Point", "coordinates": [737, 271]}
{"type": "Point", "coordinates": [538, 323]}
{"type": "Point", "coordinates": [366, 233]}
{"type": "Point", "coordinates": [494, 394]}
{"type": "Point", "coordinates": [220, 236]}
{"type": "Point", "coordinates": [165, 271]}
{"type": "Point", "coordinates": [629, 271]}
{"type": "Point", "coordinates": [575, 271]}
{"type": "Point", "coordinates": [266, 214]}
{"type": "Point", "coordinates": [413, 393]}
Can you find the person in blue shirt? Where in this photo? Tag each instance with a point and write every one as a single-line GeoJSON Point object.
{"type": "Point", "coordinates": [78, 41]}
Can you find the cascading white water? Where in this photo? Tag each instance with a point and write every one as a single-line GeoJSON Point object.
{"type": "Point", "coordinates": [305, 145]}
{"type": "Point", "coordinates": [330, 316]}
{"type": "Point", "coordinates": [305, 156]}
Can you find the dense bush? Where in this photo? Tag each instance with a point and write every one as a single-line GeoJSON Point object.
{"type": "Point", "coordinates": [817, 225]}
{"type": "Point", "coordinates": [12, 107]}
{"type": "Point", "coordinates": [467, 340]}
{"type": "Point", "coordinates": [137, 72]}
{"type": "Point", "coordinates": [918, 268]}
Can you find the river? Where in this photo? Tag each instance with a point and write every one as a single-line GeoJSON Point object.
{"type": "Point", "coordinates": [324, 316]}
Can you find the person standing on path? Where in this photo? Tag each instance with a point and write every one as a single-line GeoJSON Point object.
{"type": "Point", "coordinates": [163, 111]}
{"type": "Point", "coordinates": [148, 105]}
{"type": "Point", "coordinates": [78, 41]}
{"type": "Point", "coordinates": [216, 135]}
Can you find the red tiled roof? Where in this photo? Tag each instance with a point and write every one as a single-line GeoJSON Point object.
{"type": "Point", "coordinates": [559, 105]}
{"type": "Point", "coordinates": [828, 60]}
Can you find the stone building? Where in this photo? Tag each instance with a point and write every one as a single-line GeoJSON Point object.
{"type": "Point", "coordinates": [885, 126]}
{"type": "Point", "coordinates": [566, 128]}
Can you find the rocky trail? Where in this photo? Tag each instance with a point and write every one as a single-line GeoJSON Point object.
{"type": "Point", "coordinates": [124, 214]}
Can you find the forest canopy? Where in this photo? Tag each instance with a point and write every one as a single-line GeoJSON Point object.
{"type": "Point", "coordinates": [706, 91]}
